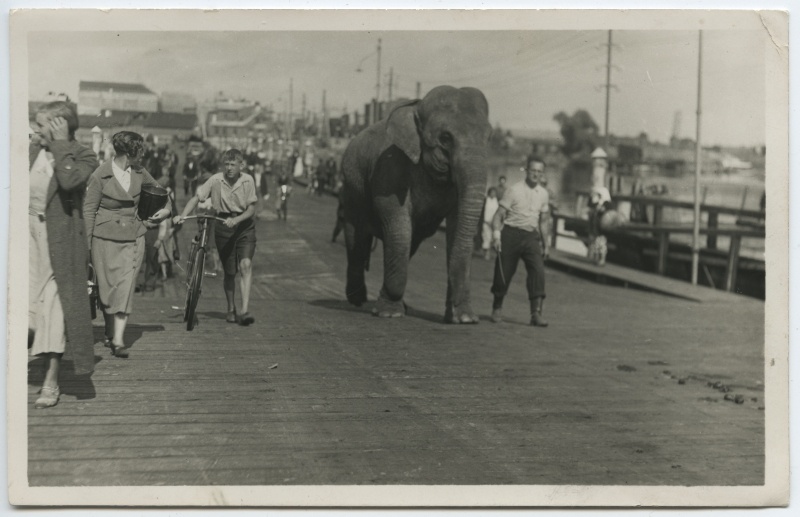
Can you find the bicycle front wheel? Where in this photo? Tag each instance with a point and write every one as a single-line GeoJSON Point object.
{"type": "Point", "coordinates": [190, 267]}
{"type": "Point", "coordinates": [193, 292]}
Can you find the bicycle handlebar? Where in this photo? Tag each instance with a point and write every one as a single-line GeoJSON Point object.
{"type": "Point", "coordinates": [204, 217]}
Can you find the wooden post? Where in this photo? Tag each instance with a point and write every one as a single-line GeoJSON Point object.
{"type": "Point", "coordinates": [554, 233]}
{"type": "Point", "coordinates": [733, 262]}
{"type": "Point", "coordinates": [663, 250]}
{"type": "Point", "coordinates": [658, 212]}
{"type": "Point", "coordinates": [698, 164]}
{"type": "Point", "coordinates": [713, 222]}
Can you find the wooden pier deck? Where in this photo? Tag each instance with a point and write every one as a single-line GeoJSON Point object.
{"type": "Point", "coordinates": [620, 389]}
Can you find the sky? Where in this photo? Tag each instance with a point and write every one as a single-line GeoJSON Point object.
{"type": "Point", "coordinates": [527, 76]}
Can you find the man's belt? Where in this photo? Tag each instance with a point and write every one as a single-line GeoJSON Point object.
{"type": "Point", "coordinates": [535, 230]}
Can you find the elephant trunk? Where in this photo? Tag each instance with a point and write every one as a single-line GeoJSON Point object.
{"type": "Point", "coordinates": [470, 177]}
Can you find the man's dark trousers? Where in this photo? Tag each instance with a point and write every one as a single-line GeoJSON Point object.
{"type": "Point", "coordinates": [518, 244]}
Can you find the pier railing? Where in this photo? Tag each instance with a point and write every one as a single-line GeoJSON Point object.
{"type": "Point", "coordinates": [662, 232]}
{"type": "Point", "coordinates": [712, 212]}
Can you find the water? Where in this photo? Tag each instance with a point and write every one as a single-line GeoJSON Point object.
{"type": "Point", "coordinates": [740, 190]}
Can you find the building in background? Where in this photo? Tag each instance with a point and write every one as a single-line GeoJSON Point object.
{"type": "Point", "coordinates": [94, 97]}
{"type": "Point", "coordinates": [167, 126]}
{"type": "Point", "coordinates": [177, 102]}
{"type": "Point", "coordinates": [238, 124]}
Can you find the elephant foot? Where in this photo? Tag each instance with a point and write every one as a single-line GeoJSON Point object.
{"type": "Point", "coordinates": [357, 296]}
{"type": "Point", "coordinates": [388, 309]}
{"type": "Point", "coordinates": [460, 316]}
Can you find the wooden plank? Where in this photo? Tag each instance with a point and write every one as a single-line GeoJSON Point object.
{"type": "Point", "coordinates": [642, 279]}
{"type": "Point", "coordinates": [358, 400]}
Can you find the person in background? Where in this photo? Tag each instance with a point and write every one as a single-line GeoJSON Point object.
{"type": "Point", "coordinates": [191, 166]}
{"type": "Point", "coordinates": [150, 261]}
{"type": "Point", "coordinates": [282, 196]}
{"type": "Point", "coordinates": [59, 317]}
{"type": "Point", "coordinates": [155, 245]}
{"type": "Point", "coordinates": [523, 215]}
{"type": "Point", "coordinates": [262, 174]}
{"type": "Point", "coordinates": [501, 187]}
{"type": "Point", "coordinates": [321, 176]}
{"type": "Point", "coordinates": [164, 245]}
{"type": "Point", "coordinates": [551, 203]}
{"type": "Point", "coordinates": [490, 206]}
{"type": "Point", "coordinates": [599, 204]}
{"type": "Point", "coordinates": [332, 175]}
{"type": "Point", "coordinates": [233, 197]}
{"type": "Point", "coordinates": [115, 233]}
{"type": "Point", "coordinates": [339, 219]}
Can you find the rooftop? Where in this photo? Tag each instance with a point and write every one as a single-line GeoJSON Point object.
{"type": "Point", "coordinates": [171, 120]}
{"type": "Point", "coordinates": [118, 87]}
{"type": "Point", "coordinates": [114, 119]}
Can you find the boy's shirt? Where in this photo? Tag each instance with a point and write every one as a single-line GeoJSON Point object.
{"type": "Point", "coordinates": [226, 198]}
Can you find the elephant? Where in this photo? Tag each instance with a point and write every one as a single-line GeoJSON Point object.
{"type": "Point", "coordinates": [423, 164]}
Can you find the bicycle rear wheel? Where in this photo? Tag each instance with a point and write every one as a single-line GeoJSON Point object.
{"type": "Point", "coordinates": [193, 292]}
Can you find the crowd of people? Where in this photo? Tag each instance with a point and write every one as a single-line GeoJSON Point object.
{"type": "Point", "coordinates": [87, 228]}
{"type": "Point", "coordinates": [85, 211]}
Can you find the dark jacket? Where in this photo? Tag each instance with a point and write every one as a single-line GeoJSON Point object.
{"type": "Point", "coordinates": [66, 240]}
{"type": "Point", "coordinates": [108, 210]}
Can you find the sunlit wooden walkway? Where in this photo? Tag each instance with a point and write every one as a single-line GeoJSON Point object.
{"type": "Point", "coordinates": [620, 389]}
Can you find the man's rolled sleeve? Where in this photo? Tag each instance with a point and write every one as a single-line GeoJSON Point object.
{"type": "Point", "coordinates": [204, 190]}
{"type": "Point", "coordinates": [251, 198]}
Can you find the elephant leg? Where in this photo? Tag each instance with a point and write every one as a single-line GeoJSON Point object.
{"type": "Point", "coordinates": [358, 242]}
{"type": "Point", "coordinates": [396, 254]}
{"type": "Point", "coordinates": [456, 312]}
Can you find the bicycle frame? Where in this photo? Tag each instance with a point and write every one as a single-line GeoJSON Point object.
{"type": "Point", "coordinates": [195, 268]}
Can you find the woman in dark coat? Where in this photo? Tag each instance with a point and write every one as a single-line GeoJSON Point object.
{"type": "Point", "coordinates": [59, 315]}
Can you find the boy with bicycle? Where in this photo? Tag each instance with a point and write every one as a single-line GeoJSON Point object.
{"type": "Point", "coordinates": [233, 198]}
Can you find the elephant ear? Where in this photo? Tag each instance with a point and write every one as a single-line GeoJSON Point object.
{"type": "Point", "coordinates": [402, 130]}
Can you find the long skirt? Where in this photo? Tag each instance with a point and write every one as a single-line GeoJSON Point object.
{"type": "Point", "coordinates": [45, 313]}
{"type": "Point", "coordinates": [117, 266]}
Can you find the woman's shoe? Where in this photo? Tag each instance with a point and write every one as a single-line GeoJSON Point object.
{"type": "Point", "coordinates": [48, 397]}
{"type": "Point", "coordinates": [231, 317]}
{"type": "Point", "coordinates": [247, 319]}
{"type": "Point", "coordinates": [119, 351]}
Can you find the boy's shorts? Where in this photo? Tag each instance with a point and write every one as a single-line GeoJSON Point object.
{"type": "Point", "coordinates": [235, 244]}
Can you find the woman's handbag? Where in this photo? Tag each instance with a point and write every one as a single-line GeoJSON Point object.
{"type": "Point", "coordinates": [94, 295]}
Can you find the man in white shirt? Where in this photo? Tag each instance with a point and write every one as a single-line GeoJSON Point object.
{"type": "Point", "coordinates": [524, 217]}
{"type": "Point", "coordinates": [233, 198]}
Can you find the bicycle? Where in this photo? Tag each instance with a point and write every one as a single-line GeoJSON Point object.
{"type": "Point", "coordinates": [195, 268]}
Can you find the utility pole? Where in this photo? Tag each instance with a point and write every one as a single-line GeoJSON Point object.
{"type": "Point", "coordinates": [608, 91]}
{"type": "Point", "coordinates": [419, 88]}
{"type": "Point", "coordinates": [325, 125]}
{"type": "Point", "coordinates": [698, 165]}
{"type": "Point", "coordinates": [391, 82]}
{"type": "Point", "coordinates": [375, 116]}
{"type": "Point", "coordinates": [291, 107]}
{"type": "Point", "coordinates": [303, 109]}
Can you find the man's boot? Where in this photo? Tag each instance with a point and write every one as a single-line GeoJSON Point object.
{"type": "Point", "coordinates": [497, 309]}
{"type": "Point", "coordinates": [536, 313]}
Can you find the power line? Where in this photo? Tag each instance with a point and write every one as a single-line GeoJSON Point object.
{"type": "Point", "coordinates": [502, 64]}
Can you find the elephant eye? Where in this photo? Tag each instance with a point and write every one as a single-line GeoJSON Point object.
{"type": "Point", "coordinates": [446, 139]}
